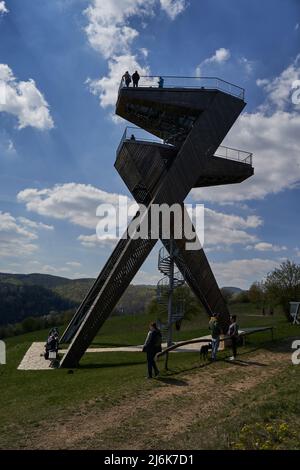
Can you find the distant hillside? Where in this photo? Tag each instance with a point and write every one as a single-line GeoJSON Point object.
{"type": "Point", "coordinates": [44, 280]}
{"type": "Point", "coordinates": [23, 295]}
{"type": "Point", "coordinates": [232, 290]}
{"type": "Point", "coordinates": [19, 301]}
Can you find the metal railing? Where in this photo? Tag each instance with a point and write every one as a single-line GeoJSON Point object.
{"type": "Point", "coordinates": [234, 154]}
{"type": "Point", "coordinates": [132, 133]}
{"type": "Point", "coordinates": [208, 83]}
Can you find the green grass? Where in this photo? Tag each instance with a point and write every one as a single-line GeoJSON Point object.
{"type": "Point", "coordinates": [103, 380]}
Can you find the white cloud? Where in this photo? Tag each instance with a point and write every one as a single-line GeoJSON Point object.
{"type": "Point", "coordinates": [274, 141]}
{"type": "Point", "coordinates": [273, 137]}
{"type": "Point", "coordinates": [76, 203]}
{"type": "Point", "coordinates": [108, 30]}
{"type": "Point", "coordinates": [34, 225]}
{"type": "Point", "coordinates": [219, 57]}
{"type": "Point", "coordinates": [243, 272]}
{"type": "Point", "coordinates": [74, 264]}
{"type": "Point", "coordinates": [7, 147]}
{"type": "Point", "coordinates": [48, 269]}
{"type": "Point", "coordinates": [279, 89]}
{"type": "Point", "coordinates": [173, 7]}
{"type": "Point", "coordinates": [264, 246]}
{"type": "Point", "coordinates": [143, 277]}
{"type": "Point", "coordinates": [107, 87]}
{"type": "Point", "coordinates": [11, 147]}
{"type": "Point", "coordinates": [92, 241]}
{"type": "Point", "coordinates": [110, 33]}
{"type": "Point", "coordinates": [247, 64]}
{"type": "Point", "coordinates": [16, 239]}
{"type": "Point", "coordinates": [23, 100]}
{"type": "Point", "coordinates": [224, 230]}
{"type": "Point", "coordinates": [297, 251]}
{"type": "Point", "coordinates": [3, 8]}
{"type": "Point", "coordinates": [297, 27]}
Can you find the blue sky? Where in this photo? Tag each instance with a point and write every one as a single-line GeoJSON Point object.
{"type": "Point", "coordinates": [60, 63]}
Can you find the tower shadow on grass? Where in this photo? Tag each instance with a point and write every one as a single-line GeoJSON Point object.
{"type": "Point", "coordinates": [239, 362]}
{"type": "Point", "coordinates": [172, 381]}
{"type": "Point", "coordinates": [109, 365]}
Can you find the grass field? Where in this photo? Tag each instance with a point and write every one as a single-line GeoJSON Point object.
{"type": "Point", "coordinates": [108, 404]}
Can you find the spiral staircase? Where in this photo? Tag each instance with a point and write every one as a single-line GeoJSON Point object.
{"type": "Point", "coordinates": [169, 307]}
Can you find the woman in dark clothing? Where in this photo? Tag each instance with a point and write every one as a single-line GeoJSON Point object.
{"type": "Point", "coordinates": [233, 332]}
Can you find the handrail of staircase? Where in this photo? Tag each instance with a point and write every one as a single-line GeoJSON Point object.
{"type": "Point", "coordinates": [172, 81]}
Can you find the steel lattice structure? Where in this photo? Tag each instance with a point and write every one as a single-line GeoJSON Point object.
{"type": "Point", "coordinates": [192, 122]}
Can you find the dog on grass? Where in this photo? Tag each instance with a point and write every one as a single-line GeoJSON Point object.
{"type": "Point", "coordinates": [205, 348]}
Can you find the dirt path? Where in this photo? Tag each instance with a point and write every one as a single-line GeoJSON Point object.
{"type": "Point", "coordinates": [109, 428]}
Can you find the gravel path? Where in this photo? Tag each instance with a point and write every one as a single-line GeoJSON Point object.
{"type": "Point", "coordinates": [34, 358]}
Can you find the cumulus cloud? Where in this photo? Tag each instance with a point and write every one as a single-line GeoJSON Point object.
{"type": "Point", "coordinates": [3, 8]}
{"type": "Point", "coordinates": [264, 246]}
{"type": "Point", "coordinates": [219, 57]}
{"type": "Point", "coordinates": [16, 238]}
{"type": "Point", "coordinates": [23, 100]}
{"type": "Point", "coordinates": [106, 88]}
{"type": "Point", "coordinates": [279, 89]}
{"type": "Point", "coordinates": [75, 203]}
{"type": "Point", "coordinates": [173, 7]}
{"type": "Point", "coordinates": [144, 277]}
{"type": "Point", "coordinates": [243, 272]}
{"type": "Point", "coordinates": [74, 264]}
{"type": "Point", "coordinates": [110, 33]}
{"type": "Point", "coordinates": [34, 225]}
{"type": "Point", "coordinates": [224, 230]}
{"type": "Point", "coordinates": [272, 134]}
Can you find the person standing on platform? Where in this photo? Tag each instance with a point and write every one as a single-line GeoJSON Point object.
{"type": "Point", "coordinates": [135, 79]}
{"type": "Point", "coordinates": [127, 78]}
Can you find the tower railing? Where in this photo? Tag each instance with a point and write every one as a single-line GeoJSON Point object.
{"type": "Point", "coordinates": [133, 133]}
{"type": "Point", "coordinates": [169, 81]}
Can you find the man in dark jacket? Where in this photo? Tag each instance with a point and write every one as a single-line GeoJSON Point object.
{"type": "Point", "coordinates": [152, 346]}
{"type": "Point", "coordinates": [135, 79]}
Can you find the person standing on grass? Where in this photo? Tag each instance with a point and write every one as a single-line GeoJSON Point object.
{"type": "Point", "coordinates": [214, 326]}
{"type": "Point", "coordinates": [152, 346]}
{"type": "Point", "coordinates": [233, 332]}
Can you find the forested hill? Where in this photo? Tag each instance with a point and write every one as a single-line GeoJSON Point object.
{"type": "Point", "coordinates": [24, 295]}
{"type": "Point", "coordinates": [35, 295]}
